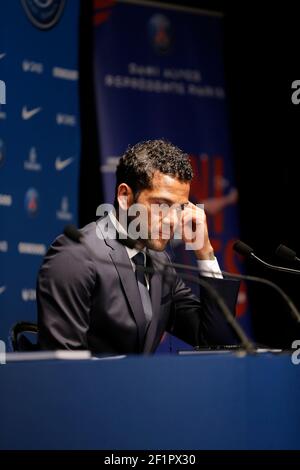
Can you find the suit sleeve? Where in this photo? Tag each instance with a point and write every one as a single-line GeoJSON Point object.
{"type": "Point", "coordinates": [64, 291]}
{"type": "Point", "coordinates": [198, 320]}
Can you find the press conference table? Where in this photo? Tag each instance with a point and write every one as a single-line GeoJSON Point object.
{"type": "Point", "coordinates": [205, 401]}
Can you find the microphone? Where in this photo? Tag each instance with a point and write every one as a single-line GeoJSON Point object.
{"type": "Point", "coordinates": [72, 232]}
{"type": "Point", "coordinates": [292, 307]}
{"type": "Point", "coordinates": [75, 235]}
{"type": "Point", "coordinates": [285, 253]}
{"type": "Point", "coordinates": [245, 250]}
{"type": "Point", "coordinates": [242, 249]}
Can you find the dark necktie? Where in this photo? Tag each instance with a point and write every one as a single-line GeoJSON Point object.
{"type": "Point", "coordinates": [139, 260]}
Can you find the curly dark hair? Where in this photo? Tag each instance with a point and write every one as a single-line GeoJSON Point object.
{"type": "Point", "coordinates": [137, 166]}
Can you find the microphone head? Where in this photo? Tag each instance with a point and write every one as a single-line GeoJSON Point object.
{"type": "Point", "coordinates": [72, 232]}
{"type": "Point", "coordinates": [242, 249]}
{"type": "Point", "coordinates": [285, 253]}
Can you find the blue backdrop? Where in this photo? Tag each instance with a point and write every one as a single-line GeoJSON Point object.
{"type": "Point", "coordinates": [39, 143]}
{"type": "Point", "coordinates": [159, 72]}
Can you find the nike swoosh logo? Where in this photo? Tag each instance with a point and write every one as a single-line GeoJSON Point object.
{"type": "Point", "coordinates": [2, 289]}
{"type": "Point", "coordinates": [61, 164]}
{"type": "Point", "coordinates": [2, 55]}
{"type": "Point", "coordinates": [29, 113]}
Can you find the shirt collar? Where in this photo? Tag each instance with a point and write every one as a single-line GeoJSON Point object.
{"type": "Point", "coordinates": [120, 229]}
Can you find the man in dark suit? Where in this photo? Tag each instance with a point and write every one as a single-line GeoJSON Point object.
{"type": "Point", "coordinates": [98, 297]}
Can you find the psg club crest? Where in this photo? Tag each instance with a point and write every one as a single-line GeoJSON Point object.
{"type": "Point", "coordinates": [44, 14]}
{"type": "Point", "coordinates": [159, 29]}
{"type": "Point", "coordinates": [31, 201]}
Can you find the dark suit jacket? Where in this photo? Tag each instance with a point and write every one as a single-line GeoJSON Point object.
{"type": "Point", "coordinates": [91, 301]}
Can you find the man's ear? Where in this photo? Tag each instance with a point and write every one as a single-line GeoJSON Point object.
{"type": "Point", "coordinates": [125, 196]}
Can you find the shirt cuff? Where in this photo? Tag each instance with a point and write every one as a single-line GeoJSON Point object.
{"type": "Point", "coordinates": [209, 268]}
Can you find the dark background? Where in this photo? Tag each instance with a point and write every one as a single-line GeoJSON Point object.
{"type": "Point", "coordinates": [261, 62]}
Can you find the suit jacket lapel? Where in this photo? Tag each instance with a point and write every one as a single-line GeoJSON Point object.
{"type": "Point", "coordinates": [123, 265]}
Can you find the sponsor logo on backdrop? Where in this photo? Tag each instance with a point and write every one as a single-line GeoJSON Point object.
{"type": "Point", "coordinates": [2, 289]}
{"type": "Point", "coordinates": [28, 295]}
{"type": "Point", "coordinates": [2, 89]}
{"type": "Point", "coordinates": [65, 119]}
{"type": "Point", "coordinates": [29, 113]}
{"type": "Point", "coordinates": [63, 213]}
{"type": "Point", "coordinates": [5, 200]}
{"type": "Point", "coordinates": [25, 248]}
{"type": "Point", "coordinates": [2, 153]}
{"type": "Point", "coordinates": [33, 67]}
{"type": "Point", "coordinates": [3, 246]}
{"type": "Point", "coordinates": [32, 164]}
{"type": "Point", "coordinates": [43, 14]}
{"type": "Point", "coordinates": [110, 165]}
{"type": "Point", "coordinates": [2, 92]}
{"type": "Point", "coordinates": [31, 202]}
{"type": "Point", "coordinates": [65, 74]}
{"type": "Point", "coordinates": [62, 164]}
{"type": "Point", "coordinates": [2, 352]}
{"type": "Point", "coordinates": [159, 30]}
